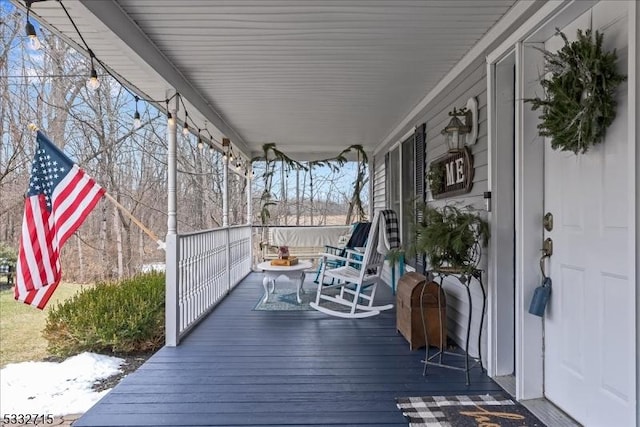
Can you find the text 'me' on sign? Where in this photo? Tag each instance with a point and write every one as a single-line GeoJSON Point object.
{"type": "Point", "coordinates": [455, 174]}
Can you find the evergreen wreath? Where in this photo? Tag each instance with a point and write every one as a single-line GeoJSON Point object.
{"type": "Point", "coordinates": [579, 101]}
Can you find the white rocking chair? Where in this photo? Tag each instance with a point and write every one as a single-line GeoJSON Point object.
{"type": "Point", "coordinates": [358, 278]}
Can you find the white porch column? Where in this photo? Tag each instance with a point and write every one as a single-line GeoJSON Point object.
{"type": "Point", "coordinates": [225, 185]}
{"type": "Point", "coordinates": [226, 146]}
{"type": "Point", "coordinates": [249, 183]}
{"type": "Point", "coordinates": [172, 327]}
{"type": "Point", "coordinates": [172, 138]}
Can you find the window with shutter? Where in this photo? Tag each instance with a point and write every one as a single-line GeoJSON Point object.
{"type": "Point", "coordinates": [408, 189]}
{"type": "Point", "coordinates": [405, 185]}
{"type": "Point", "coordinates": [393, 181]}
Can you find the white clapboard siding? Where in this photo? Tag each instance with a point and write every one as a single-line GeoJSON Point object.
{"type": "Point", "coordinates": [471, 83]}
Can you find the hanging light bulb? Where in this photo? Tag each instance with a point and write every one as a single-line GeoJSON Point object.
{"type": "Point", "coordinates": [226, 145]}
{"type": "Point", "coordinates": [32, 37]}
{"type": "Point", "coordinates": [200, 143]}
{"type": "Point", "coordinates": [93, 82]}
{"type": "Point", "coordinates": [211, 149]}
{"type": "Point", "coordinates": [33, 41]}
{"type": "Point", "coordinates": [136, 116]}
{"type": "Point", "coordinates": [231, 156]}
{"type": "Point", "coordinates": [185, 127]}
{"type": "Point", "coordinates": [238, 166]}
{"type": "Point", "coordinates": [171, 121]}
{"type": "Point", "coordinates": [253, 173]}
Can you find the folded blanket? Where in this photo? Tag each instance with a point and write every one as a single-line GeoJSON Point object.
{"type": "Point", "coordinates": [389, 230]}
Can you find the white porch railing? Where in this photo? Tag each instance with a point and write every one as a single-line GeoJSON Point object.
{"type": "Point", "coordinates": [202, 268]}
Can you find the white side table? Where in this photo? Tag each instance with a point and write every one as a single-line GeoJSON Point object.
{"type": "Point", "coordinates": [293, 272]}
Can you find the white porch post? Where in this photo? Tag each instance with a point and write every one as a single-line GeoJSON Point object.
{"type": "Point", "coordinates": [225, 184]}
{"type": "Point", "coordinates": [249, 183]}
{"type": "Point", "coordinates": [226, 144]}
{"type": "Point", "coordinates": [172, 138]}
{"type": "Point", "coordinates": [172, 328]}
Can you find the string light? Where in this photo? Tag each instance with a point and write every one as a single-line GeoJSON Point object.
{"type": "Point", "coordinates": [32, 37]}
{"type": "Point", "coordinates": [93, 82]}
{"type": "Point", "coordinates": [136, 116]}
{"type": "Point", "coordinates": [185, 128]}
{"type": "Point", "coordinates": [200, 142]}
{"type": "Point", "coordinates": [225, 149]}
{"type": "Point", "coordinates": [34, 42]}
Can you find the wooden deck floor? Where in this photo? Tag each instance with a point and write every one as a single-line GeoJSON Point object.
{"type": "Point", "coordinates": [257, 368]}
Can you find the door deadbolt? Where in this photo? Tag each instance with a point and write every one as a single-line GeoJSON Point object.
{"type": "Point", "coordinates": [547, 247]}
{"type": "Point", "coordinates": [547, 221]}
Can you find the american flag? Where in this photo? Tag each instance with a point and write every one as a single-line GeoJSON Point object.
{"type": "Point", "coordinates": [59, 198]}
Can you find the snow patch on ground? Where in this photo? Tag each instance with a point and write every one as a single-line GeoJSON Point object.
{"type": "Point", "coordinates": [55, 388]}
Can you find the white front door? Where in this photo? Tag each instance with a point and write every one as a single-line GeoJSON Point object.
{"type": "Point", "coordinates": [589, 326]}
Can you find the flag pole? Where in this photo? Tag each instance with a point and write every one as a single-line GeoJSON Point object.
{"type": "Point", "coordinates": [161, 244]}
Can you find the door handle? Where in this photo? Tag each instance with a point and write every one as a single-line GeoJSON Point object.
{"type": "Point", "coordinates": [542, 258]}
{"type": "Point", "coordinates": [547, 251]}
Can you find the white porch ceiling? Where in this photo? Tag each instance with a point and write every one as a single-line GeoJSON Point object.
{"type": "Point", "coordinates": [313, 76]}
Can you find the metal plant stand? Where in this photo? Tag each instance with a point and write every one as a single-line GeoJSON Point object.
{"type": "Point", "coordinates": [465, 279]}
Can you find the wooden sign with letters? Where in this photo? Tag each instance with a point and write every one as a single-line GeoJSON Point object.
{"type": "Point", "coordinates": [451, 174]}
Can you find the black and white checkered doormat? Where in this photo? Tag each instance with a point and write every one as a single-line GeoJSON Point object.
{"type": "Point", "coordinates": [455, 411]}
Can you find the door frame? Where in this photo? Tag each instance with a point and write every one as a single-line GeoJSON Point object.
{"type": "Point", "coordinates": [501, 209]}
{"type": "Point", "coordinates": [529, 190]}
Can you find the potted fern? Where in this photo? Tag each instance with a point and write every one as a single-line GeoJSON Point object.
{"type": "Point", "coordinates": [450, 237]}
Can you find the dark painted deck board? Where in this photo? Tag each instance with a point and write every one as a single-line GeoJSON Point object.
{"type": "Point", "coordinates": [251, 368]}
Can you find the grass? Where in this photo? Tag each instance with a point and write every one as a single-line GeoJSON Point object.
{"type": "Point", "coordinates": [21, 325]}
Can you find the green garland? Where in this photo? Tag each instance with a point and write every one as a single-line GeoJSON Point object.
{"type": "Point", "coordinates": [271, 156]}
{"type": "Point", "coordinates": [580, 89]}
